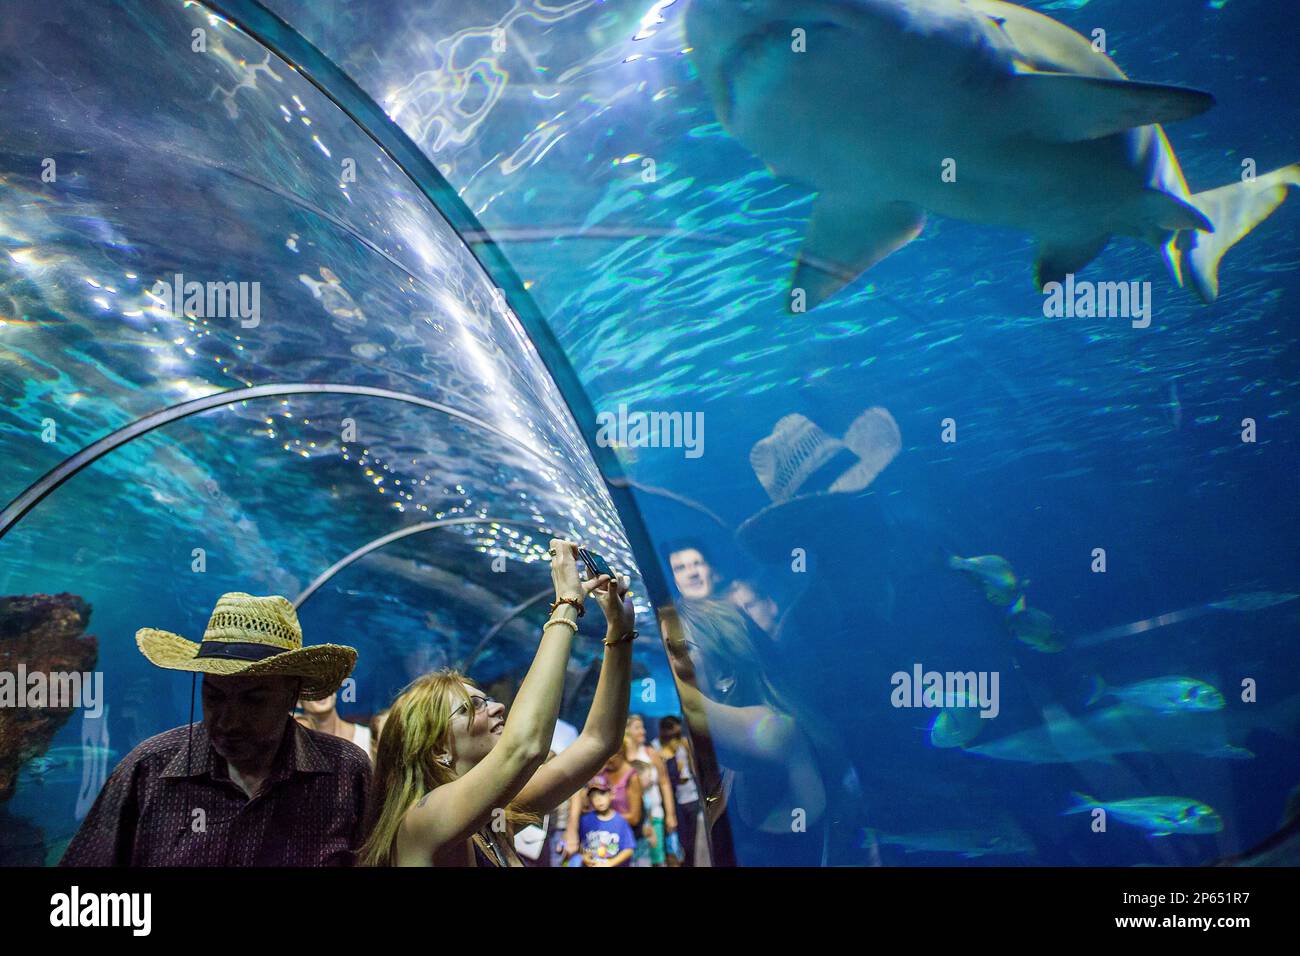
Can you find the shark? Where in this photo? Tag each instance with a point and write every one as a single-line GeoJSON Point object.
{"type": "Point", "coordinates": [976, 110]}
{"type": "Point", "coordinates": [1101, 736]}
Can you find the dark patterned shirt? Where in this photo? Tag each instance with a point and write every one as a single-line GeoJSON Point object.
{"type": "Point", "coordinates": [153, 811]}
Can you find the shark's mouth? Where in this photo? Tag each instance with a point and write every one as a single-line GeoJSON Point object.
{"type": "Point", "coordinates": [746, 49]}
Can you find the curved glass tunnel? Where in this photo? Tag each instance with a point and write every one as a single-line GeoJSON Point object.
{"type": "Point", "coordinates": [528, 217]}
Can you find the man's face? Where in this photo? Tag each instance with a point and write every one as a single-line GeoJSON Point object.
{"type": "Point", "coordinates": [692, 573]}
{"type": "Point", "coordinates": [245, 716]}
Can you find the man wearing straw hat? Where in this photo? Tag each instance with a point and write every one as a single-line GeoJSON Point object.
{"type": "Point", "coordinates": [247, 786]}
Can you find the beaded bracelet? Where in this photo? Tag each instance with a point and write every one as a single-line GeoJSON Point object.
{"type": "Point", "coordinates": [568, 600]}
{"type": "Point", "coordinates": [560, 620]}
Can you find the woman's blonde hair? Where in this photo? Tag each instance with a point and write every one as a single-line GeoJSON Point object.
{"type": "Point", "coordinates": [727, 639]}
{"type": "Point", "coordinates": [417, 730]}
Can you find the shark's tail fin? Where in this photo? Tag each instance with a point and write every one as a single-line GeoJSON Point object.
{"type": "Point", "coordinates": [1235, 210]}
{"type": "Point", "coordinates": [1082, 804]}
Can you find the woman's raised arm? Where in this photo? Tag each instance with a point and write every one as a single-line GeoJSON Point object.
{"type": "Point", "coordinates": [602, 734]}
{"type": "Point", "coordinates": [450, 814]}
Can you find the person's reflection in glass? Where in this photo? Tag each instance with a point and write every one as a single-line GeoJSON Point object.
{"type": "Point", "coordinates": [694, 575]}
{"type": "Point", "coordinates": [771, 787]}
{"type": "Point", "coordinates": [757, 605]}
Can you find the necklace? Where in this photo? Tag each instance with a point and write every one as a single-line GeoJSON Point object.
{"type": "Point", "coordinates": [492, 844]}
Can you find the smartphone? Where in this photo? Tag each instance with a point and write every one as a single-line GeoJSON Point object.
{"type": "Point", "coordinates": [596, 565]}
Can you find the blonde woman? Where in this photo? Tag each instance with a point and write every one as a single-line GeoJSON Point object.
{"type": "Point", "coordinates": [452, 768]}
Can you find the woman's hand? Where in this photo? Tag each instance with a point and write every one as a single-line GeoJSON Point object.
{"type": "Point", "coordinates": [564, 572]}
{"type": "Point", "coordinates": [615, 602]}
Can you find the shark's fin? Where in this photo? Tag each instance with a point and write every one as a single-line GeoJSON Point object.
{"type": "Point", "coordinates": [1069, 108]}
{"type": "Point", "coordinates": [1058, 258]}
{"type": "Point", "coordinates": [1235, 210]}
{"type": "Point", "coordinates": [844, 240]}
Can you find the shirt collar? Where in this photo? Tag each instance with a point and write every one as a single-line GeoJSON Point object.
{"type": "Point", "coordinates": [298, 753]}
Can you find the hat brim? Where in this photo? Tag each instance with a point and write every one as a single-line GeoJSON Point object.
{"type": "Point", "coordinates": [322, 667]}
{"type": "Point", "coordinates": [805, 520]}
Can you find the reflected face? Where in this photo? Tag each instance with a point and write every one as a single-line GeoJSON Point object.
{"type": "Point", "coordinates": [245, 716]}
{"type": "Point", "coordinates": [715, 680]}
{"type": "Point", "coordinates": [692, 573]}
{"type": "Point", "coordinates": [319, 708]}
{"type": "Point", "coordinates": [475, 729]}
{"type": "Point", "coordinates": [761, 610]}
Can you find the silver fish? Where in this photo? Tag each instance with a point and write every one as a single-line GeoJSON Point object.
{"type": "Point", "coordinates": [1159, 816]}
{"type": "Point", "coordinates": [1167, 695]}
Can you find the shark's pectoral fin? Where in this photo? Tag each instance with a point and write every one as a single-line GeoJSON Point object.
{"type": "Point", "coordinates": [1068, 108]}
{"type": "Point", "coordinates": [1057, 258]}
{"type": "Point", "coordinates": [845, 239]}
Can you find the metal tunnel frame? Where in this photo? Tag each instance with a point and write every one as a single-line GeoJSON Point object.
{"type": "Point", "coordinates": [493, 631]}
{"type": "Point", "coordinates": [387, 539]}
{"type": "Point", "coordinates": [74, 463]}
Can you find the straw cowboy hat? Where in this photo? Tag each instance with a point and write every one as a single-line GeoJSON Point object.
{"type": "Point", "coordinates": [253, 636]}
{"type": "Point", "coordinates": [811, 476]}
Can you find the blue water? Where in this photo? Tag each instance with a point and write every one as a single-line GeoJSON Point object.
{"type": "Point", "coordinates": [1072, 434]}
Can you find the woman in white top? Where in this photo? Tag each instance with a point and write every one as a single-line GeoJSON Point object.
{"type": "Point", "coordinates": [322, 716]}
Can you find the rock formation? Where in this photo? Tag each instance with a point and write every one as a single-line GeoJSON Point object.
{"type": "Point", "coordinates": [46, 634]}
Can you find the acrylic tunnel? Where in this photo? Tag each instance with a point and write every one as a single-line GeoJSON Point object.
{"type": "Point", "coordinates": [943, 419]}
